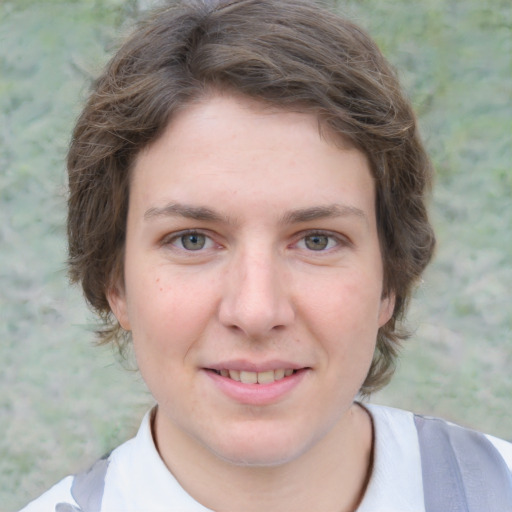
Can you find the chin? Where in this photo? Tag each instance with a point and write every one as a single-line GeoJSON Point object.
{"type": "Point", "coordinates": [260, 449]}
{"type": "Point", "coordinates": [255, 457]}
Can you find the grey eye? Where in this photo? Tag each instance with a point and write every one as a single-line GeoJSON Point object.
{"type": "Point", "coordinates": [316, 242]}
{"type": "Point", "coordinates": [193, 241]}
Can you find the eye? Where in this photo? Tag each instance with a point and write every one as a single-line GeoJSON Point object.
{"type": "Point", "coordinates": [190, 241]}
{"type": "Point", "coordinates": [319, 242]}
{"type": "Point", "coordinates": [193, 241]}
{"type": "Point", "coordinates": [316, 242]}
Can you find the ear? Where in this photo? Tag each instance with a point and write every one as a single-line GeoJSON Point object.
{"type": "Point", "coordinates": [116, 296]}
{"type": "Point", "coordinates": [387, 307]}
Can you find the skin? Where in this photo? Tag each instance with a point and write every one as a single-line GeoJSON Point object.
{"type": "Point", "coordinates": [290, 273]}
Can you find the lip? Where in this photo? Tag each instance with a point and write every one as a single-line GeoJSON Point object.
{"type": "Point", "coordinates": [257, 394]}
{"type": "Point", "coordinates": [248, 366]}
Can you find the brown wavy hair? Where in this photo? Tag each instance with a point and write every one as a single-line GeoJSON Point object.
{"type": "Point", "coordinates": [291, 54]}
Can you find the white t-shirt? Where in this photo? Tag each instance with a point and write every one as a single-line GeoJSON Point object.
{"type": "Point", "coordinates": [138, 480]}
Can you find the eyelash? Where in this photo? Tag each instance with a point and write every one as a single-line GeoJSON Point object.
{"type": "Point", "coordinates": [339, 241]}
{"type": "Point", "coordinates": [170, 240]}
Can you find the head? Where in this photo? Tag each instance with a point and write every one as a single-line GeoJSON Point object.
{"type": "Point", "coordinates": [289, 55]}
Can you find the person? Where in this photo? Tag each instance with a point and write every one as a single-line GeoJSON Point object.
{"type": "Point", "coordinates": [247, 207]}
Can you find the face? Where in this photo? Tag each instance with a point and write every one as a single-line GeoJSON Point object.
{"type": "Point", "coordinates": [253, 279]}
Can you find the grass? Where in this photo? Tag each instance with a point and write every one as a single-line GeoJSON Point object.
{"type": "Point", "coordinates": [64, 402]}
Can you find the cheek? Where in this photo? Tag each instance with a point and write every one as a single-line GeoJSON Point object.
{"type": "Point", "coordinates": [345, 319]}
{"type": "Point", "coordinates": [164, 331]}
{"type": "Point", "coordinates": [350, 305]}
{"type": "Point", "coordinates": [168, 314]}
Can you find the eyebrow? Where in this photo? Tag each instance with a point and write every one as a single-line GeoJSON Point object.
{"type": "Point", "coordinates": [323, 212]}
{"type": "Point", "coordinates": [292, 217]}
{"type": "Point", "coordinates": [184, 210]}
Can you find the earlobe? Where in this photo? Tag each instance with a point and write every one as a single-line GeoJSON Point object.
{"type": "Point", "coordinates": [387, 307]}
{"type": "Point", "coordinates": [116, 297]}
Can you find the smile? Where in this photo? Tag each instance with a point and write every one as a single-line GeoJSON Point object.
{"type": "Point", "coordinates": [247, 377]}
{"type": "Point", "coordinates": [258, 388]}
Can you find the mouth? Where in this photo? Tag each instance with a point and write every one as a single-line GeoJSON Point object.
{"type": "Point", "coordinates": [242, 383]}
{"type": "Point", "coordinates": [248, 377]}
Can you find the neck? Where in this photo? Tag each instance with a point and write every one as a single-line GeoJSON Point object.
{"type": "Point", "coordinates": [332, 475]}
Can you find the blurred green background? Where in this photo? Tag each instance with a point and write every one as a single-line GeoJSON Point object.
{"type": "Point", "coordinates": [64, 402]}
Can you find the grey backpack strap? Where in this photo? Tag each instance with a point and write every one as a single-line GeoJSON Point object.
{"type": "Point", "coordinates": [87, 489]}
{"type": "Point", "coordinates": [462, 471]}
{"type": "Point", "coordinates": [66, 507]}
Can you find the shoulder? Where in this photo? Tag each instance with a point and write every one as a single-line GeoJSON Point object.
{"type": "Point", "coordinates": [77, 493]}
{"type": "Point", "coordinates": [59, 493]}
{"type": "Point", "coordinates": [132, 478]}
{"type": "Point", "coordinates": [447, 462]}
{"type": "Point", "coordinates": [395, 422]}
{"type": "Point", "coordinates": [438, 432]}
{"type": "Point", "coordinates": [504, 448]}
{"type": "Point", "coordinates": [85, 490]}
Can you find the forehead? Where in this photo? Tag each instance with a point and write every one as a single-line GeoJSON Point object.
{"type": "Point", "coordinates": [233, 145]}
{"type": "Point", "coordinates": [208, 108]}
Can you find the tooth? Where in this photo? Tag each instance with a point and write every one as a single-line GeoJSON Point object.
{"type": "Point", "coordinates": [224, 373]}
{"type": "Point", "coordinates": [288, 372]}
{"type": "Point", "coordinates": [234, 374]}
{"type": "Point", "coordinates": [266, 377]}
{"type": "Point", "coordinates": [249, 377]}
{"type": "Point", "coordinates": [278, 374]}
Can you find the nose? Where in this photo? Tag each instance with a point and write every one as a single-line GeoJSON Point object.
{"type": "Point", "coordinates": [256, 298]}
